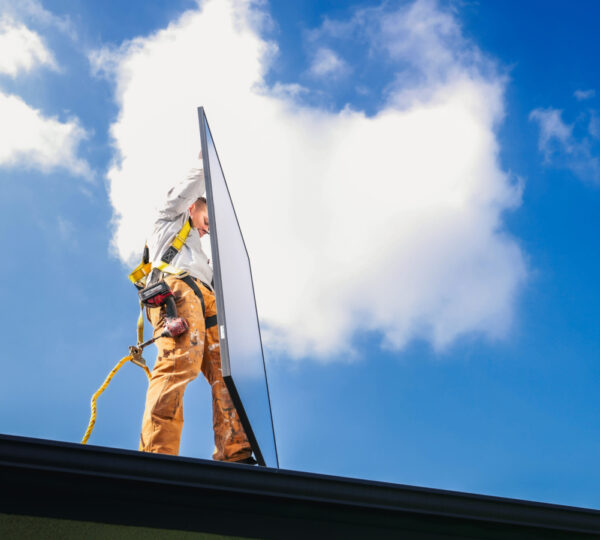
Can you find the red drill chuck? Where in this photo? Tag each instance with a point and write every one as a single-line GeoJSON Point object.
{"type": "Point", "coordinates": [174, 326]}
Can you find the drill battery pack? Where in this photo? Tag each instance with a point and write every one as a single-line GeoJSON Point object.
{"type": "Point", "coordinates": [155, 295]}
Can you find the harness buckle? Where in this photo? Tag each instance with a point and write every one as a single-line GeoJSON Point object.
{"type": "Point", "coordinates": [136, 356]}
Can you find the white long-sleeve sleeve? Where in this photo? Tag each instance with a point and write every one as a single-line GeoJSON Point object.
{"type": "Point", "coordinates": [181, 196]}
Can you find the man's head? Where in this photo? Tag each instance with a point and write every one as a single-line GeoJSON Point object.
{"type": "Point", "coordinates": [199, 215]}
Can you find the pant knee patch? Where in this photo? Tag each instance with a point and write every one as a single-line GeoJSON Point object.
{"type": "Point", "coordinates": [166, 406]}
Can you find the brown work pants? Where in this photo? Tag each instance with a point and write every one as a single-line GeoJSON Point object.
{"type": "Point", "coordinates": [179, 361]}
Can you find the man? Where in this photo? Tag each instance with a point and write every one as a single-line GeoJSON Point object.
{"type": "Point", "coordinates": [180, 359]}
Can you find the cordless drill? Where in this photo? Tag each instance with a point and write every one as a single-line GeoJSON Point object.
{"type": "Point", "coordinates": [160, 294]}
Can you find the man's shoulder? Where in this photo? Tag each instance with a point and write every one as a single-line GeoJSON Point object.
{"type": "Point", "coordinates": [166, 226]}
{"type": "Point", "coordinates": [164, 219]}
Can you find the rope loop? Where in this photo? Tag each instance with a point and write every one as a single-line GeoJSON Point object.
{"type": "Point", "coordinates": [135, 357]}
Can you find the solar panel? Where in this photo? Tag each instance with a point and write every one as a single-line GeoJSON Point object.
{"type": "Point", "coordinates": [242, 357]}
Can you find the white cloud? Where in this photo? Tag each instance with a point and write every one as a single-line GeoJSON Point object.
{"type": "Point", "coordinates": [390, 223]}
{"type": "Point", "coordinates": [32, 11]}
{"type": "Point", "coordinates": [287, 91]}
{"type": "Point", "coordinates": [326, 63]}
{"type": "Point", "coordinates": [582, 95]}
{"type": "Point", "coordinates": [22, 49]}
{"type": "Point", "coordinates": [424, 42]}
{"type": "Point", "coordinates": [104, 62]}
{"type": "Point", "coordinates": [552, 128]}
{"type": "Point", "coordinates": [560, 146]}
{"type": "Point", "coordinates": [30, 139]}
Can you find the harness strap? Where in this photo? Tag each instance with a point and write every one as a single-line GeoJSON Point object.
{"type": "Point", "coordinates": [143, 269]}
{"type": "Point", "coordinates": [189, 281]}
{"type": "Point", "coordinates": [211, 321]}
{"type": "Point", "coordinates": [140, 272]}
{"type": "Point", "coordinates": [140, 325]}
{"type": "Point", "coordinates": [173, 249]}
{"type": "Point", "coordinates": [175, 246]}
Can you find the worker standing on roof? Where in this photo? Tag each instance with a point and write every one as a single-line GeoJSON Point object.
{"type": "Point", "coordinates": [180, 359]}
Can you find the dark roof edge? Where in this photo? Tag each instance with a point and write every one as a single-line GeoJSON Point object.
{"type": "Point", "coordinates": [93, 461]}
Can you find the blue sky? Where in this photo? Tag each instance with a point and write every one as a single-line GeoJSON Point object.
{"type": "Point", "coordinates": [409, 339]}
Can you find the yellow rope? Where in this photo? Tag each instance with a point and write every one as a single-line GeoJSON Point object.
{"type": "Point", "coordinates": [95, 397]}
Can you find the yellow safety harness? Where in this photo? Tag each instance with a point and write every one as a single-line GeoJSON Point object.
{"type": "Point", "coordinates": [140, 274]}
{"type": "Point", "coordinates": [138, 277]}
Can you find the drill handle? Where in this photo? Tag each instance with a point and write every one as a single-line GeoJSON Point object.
{"type": "Point", "coordinates": [170, 307]}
